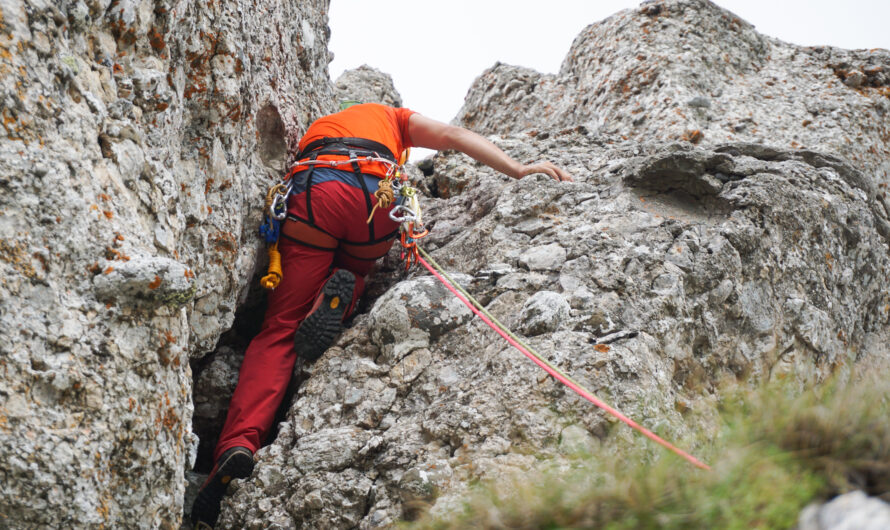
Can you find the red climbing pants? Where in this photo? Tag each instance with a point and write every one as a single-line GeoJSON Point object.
{"type": "Point", "coordinates": [340, 210]}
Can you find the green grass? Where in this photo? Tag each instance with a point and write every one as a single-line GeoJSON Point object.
{"type": "Point", "coordinates": [775, 451]}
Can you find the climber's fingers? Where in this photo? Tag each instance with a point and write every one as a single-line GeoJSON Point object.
{"type": "Point", "coordinates": [548, 168]}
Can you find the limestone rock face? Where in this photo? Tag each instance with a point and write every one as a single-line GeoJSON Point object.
{"type": "Point", "coordinates": [367, 85]}
{"type": "Point", "coordinates": [689, 70]}
{"type": "Point", "coordinates": [720, 225]}
{"type": "Point", "coordinates": [139, 139]}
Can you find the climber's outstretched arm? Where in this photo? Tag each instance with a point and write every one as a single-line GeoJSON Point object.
{"type": "Point", "coordinates": [432, 134]}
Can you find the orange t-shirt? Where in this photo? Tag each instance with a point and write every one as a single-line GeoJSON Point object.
{"type": "Point", "coordinates": [372, 121]}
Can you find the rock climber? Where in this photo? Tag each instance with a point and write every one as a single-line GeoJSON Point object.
{"type": "Point", "coordinates": [327, 248]}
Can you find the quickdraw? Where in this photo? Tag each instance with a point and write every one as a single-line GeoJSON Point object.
{"type": "Point", "coordinates": [409, 217]}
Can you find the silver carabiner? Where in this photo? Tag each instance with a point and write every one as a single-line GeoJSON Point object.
{"type": "Point", "coordinates": [408, 214]}
{"type": "Point", "coordinates": [277, 201]}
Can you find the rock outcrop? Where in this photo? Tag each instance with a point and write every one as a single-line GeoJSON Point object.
{"type": "Point", "coordinates": [689, 70]}
{"type": "Point", "coordinates": [671, 264]}
{"type": "Point", "coordinates": [139, 140]}
{"type": "Point", "coordinates": [367, 85]}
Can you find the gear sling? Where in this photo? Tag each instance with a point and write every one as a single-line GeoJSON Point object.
{"type": "Point", "coordinates": [306, 232]}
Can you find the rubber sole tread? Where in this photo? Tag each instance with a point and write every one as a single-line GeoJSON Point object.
{"type": "Point", "coordinates": [317, 332]}
{"type": "Point", "coordinates": [235, 463]}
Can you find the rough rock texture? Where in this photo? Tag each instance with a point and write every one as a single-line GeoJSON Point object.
{"type": "Point", "coordinates": [663, 269]}
{"type": "Point", "coordinates": [368, 85]}
{"type": "Point", "coordinates": [852, 511]}
{"type": "Point", "coordinates": [139, 139]}
{"type": "Point", "coordinates": [693, 71]}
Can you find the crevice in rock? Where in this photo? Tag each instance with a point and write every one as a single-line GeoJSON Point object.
{"type": "Point", "coordinates": [216, 374]}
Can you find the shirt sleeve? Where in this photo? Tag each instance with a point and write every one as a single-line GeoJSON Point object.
{"type": "Point", "coordinates": [402, 116]}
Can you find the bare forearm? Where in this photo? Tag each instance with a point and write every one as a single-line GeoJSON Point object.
{"type": "Point", "coordinates": [482, 150]}
{"type": "Point", "coordinates": [436, 135]}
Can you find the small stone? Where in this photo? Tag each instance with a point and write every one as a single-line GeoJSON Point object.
{"type": "Point", "coordinates": [855, 79]}
{"type": "Point", "coordinates": [699, 102]}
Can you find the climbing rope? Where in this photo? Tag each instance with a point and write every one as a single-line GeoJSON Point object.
{"type": "Point", "coordinates": [273, 278]}
{"type": "Point", "coordinates": [527, 350]}
{"type": "Point", "coordinates": [385, 197]}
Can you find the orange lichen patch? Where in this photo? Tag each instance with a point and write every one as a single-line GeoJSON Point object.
{"type": "Point", "coordinates": [94, 268]}
{"type": "Point", "coordinates": [156, 283]}
{"type": "Point", "coordinates": [108, 270]}
{"type": "Point", "coordinates": [16, 254]}
{"type": "Point", "coordinates": [694, 136]}
{"type": "Point", "coordinates": [132, 403]}
{"type": "Point", "coordinates": [156, 39]}
{"type": "Point", "coordinates": [189, 274]}
{"type": "Point", "coordinates": [112, 254]}
{"type": "Point", "coordinates": [118, 237]}
{"type": "Point", "coordinates": [602, 348]}
{"type": "Point", "coordinates": [117, 69]}
{"type": "Point", "coordinates": [207, 185]}
{"type": "Point", "coordinates": [829, 259]}
{"type": "Point", "coordinates": [224, 242]}
{"type": "Point", "coordinates": [209, 210]}
{"type": "Point", "coordinates": [170, 420]}
{"type": "Point", "coordinates": [162, 106]}
{"type": "Point", "coordinates": [107, 214]}
{"type": "Point", "coordinates": [94, 207]}
{"type": "Point", "coordinates": [104, 197]}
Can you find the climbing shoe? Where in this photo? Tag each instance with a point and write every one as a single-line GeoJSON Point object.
{"type": "Point", "coordinates": [318, 330]}
{"type": "Point", "coordinates": [237, 462]}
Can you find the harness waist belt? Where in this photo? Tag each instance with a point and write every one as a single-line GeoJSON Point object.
{"type": "Point", "coordinates": [330, 145]}
{"type": "Point", "coordinates": [300, 231]}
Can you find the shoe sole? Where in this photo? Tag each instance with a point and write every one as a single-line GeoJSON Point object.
{"type": "Point", "coordinates": [318, 331]}
{"type": "Point", "coordinates": [205, 509]}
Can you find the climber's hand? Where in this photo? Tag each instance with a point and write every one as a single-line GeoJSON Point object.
{"type": "Point", "coordinates": [547, 168]}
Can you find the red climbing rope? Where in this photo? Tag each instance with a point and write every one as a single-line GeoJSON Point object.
{"type": "Point", "coordinates": [562, 378]}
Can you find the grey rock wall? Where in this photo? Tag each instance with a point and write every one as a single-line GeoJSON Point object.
{"type": "Point", "coordinates": [139, 138]}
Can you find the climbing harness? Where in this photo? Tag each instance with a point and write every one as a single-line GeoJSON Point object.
{"type": "Point", "coordinates": [430, 264]}
{"type": "Point", "coordinates": [358, 152]}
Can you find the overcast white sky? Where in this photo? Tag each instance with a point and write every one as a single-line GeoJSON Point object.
{"type": "Point", "coordinates": [435, 49]}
